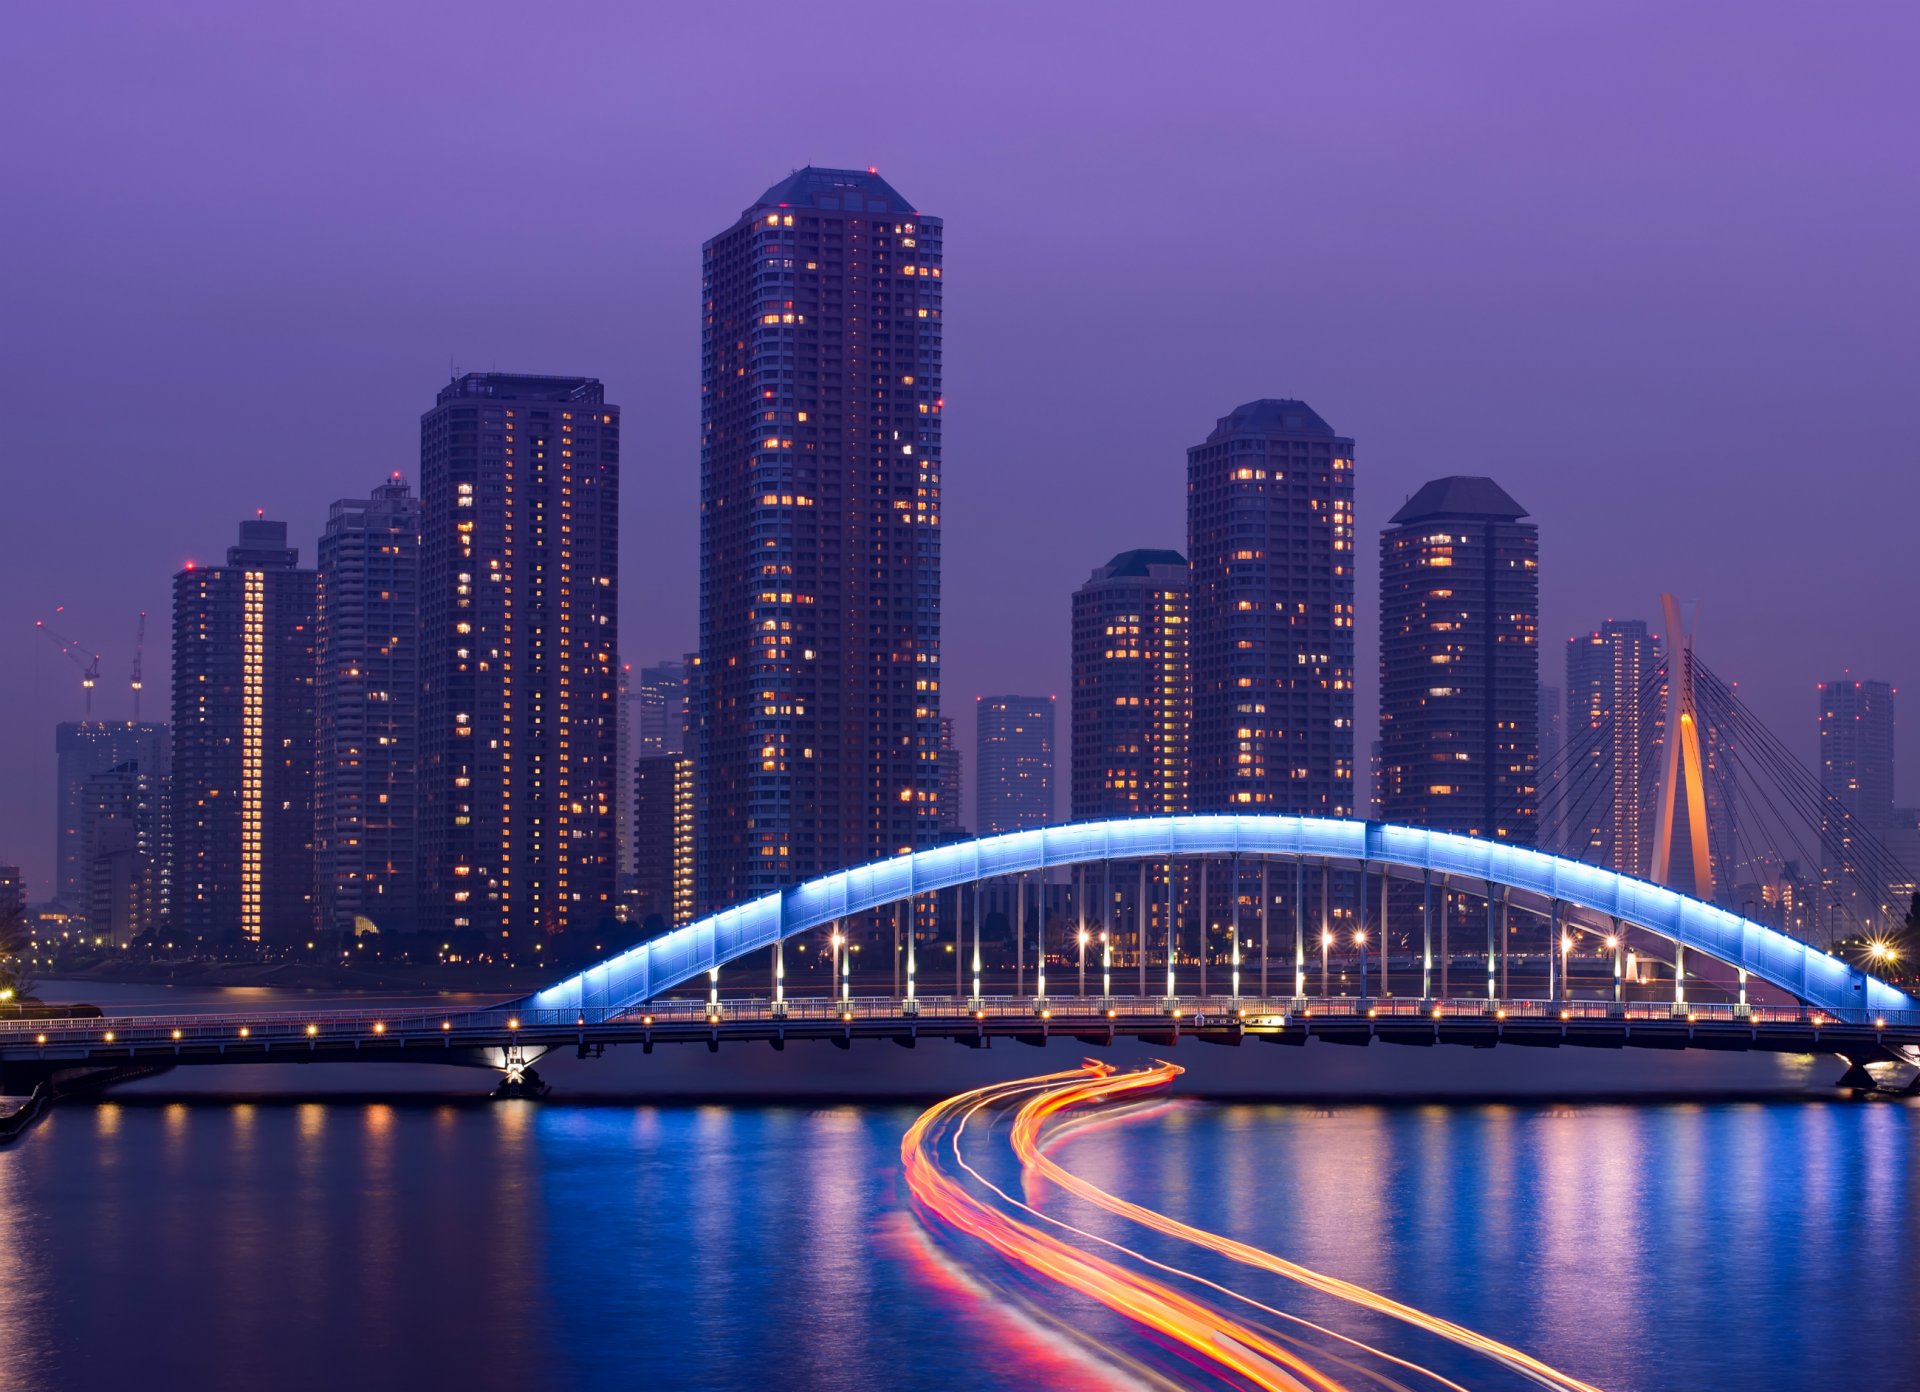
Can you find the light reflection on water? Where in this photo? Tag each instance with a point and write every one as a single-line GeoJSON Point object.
{"type": "Point", "coordinates": [321, 1244]}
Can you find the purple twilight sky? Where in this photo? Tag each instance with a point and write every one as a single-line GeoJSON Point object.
{"type": "Point", "coordinates": [1649, 265]}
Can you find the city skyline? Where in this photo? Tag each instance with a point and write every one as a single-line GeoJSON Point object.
{"type": "Point", "coordinates": [1692, 391]}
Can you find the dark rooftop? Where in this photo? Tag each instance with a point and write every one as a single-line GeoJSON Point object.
{"type": "Point", "coordinates": [1136, 562]}
{"type": "Point", "coordinates": [1272, 416]}
{"type": "Point", "coordinates": [851, 190]}
{"type": "Point", "coordinates": [525, 386]}
{"type": "Point", "coordinates": [1460, 496]}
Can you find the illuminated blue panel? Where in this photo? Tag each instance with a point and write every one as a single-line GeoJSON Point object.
{"type": "Point", "coordinates": [685, 953]}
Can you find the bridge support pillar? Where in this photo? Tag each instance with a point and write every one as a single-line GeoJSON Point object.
{"type": "Point", "coordinates": [517, 1076]}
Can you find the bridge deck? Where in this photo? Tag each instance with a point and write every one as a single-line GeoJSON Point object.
{"type": "Point", "coordinates": [471, 1037]}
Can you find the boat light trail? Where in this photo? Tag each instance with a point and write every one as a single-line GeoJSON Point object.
{"type": "Point", "coordinates": [1108, 1087]}
{"type": "Point", "coordinates": [1249, 1352]}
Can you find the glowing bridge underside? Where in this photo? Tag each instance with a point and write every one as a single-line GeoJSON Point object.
{"type": "Point", "coordinates": [1764, 953]}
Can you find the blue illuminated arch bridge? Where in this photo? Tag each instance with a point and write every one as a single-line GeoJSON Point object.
{"type": "Point", "coordinates": [1478, 924]}
{"type": "Point", "coordinates": [1586, 895]}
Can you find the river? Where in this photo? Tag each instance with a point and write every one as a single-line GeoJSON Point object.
{"type": "Point", "coordinates": [216, 1240]}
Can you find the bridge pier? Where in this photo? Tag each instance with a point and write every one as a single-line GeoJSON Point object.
{"type": "Point", "coordinates": [517, 1075]}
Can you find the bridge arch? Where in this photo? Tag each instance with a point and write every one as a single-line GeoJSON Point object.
{"type": "Point", "coordinates": [687, 953]}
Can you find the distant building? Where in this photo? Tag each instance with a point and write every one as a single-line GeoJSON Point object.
{"type": "Point", "coordinates": [1553, 743]}
{"type": "Point", "coordinates": [13, 892]}
{"type": "Point", "coordinates": [243, 743]}
{"type": "Point", "coordinates": [83, 748]}
{"type": "Point", "coordinates": [124, 826]}
{"type": "Point", "coordinates": [520, 505]}
{"type": "Point", "coordinates": [1460, 662]}
{"type": "Point", "coordinates": [1013, 765]}
{"type": "Point", "coordinates": [818, 689]}
{"type": "Point", "coordinates": [1132, 710]}
{"type": "Point", "coordinates": [1857, 821]}
{"type": "Point", "coordinates": [654, 778]}
{"type": "Point", "coordinates": [952, 780]}
{"type": "Point", "coordinates": [1614, 698]}
{"type": "Point", "coordinates": [1270, 550]}
{"type": "Point", "coordinates": [686, 863]}
{"type": "Point", "coordinates": [366, 804]}
{"type": "Point", "coordinates": [661, 696]}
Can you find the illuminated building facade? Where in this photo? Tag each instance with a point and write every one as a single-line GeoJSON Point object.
{"type": "Point", "coordinates": [1013, 762]}
{"type": "Point", "coordinates": [952, 779]}
{"type": "Point", "coordinates": [1131, 702]}
{"type": "Point", "coordinates": [368, 706]}
{"type": "Point", "coordinates": [1460, 662]}
{"type": "Point", "coordinates": [1270, 551]}
{"type": "Point", "coordinates": [83, 748]}
{"type": "Point", "coordinates": [654, 825]}
{"type": "Point", "coordinates": [243, 743]}
{"type": "Point", "coordinates": [685, 844]}
{"type": "Point", "coordinates": [519, 720]}
{"type": "Point", "coordinates": [817, 689]}
{"type": "Point", "coordinates": [1613, 737]}
{"type": "Point", "coordinates": [1856, 775]}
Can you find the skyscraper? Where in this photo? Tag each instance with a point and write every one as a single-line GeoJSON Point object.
{"type": "Point", "coordinates": [952, 781]}
{"type": "Point", "coordinates": [1131, 702]}
{"type": "Point", "coordinates": [1856, 776]}
{"type": "Point", "coordinates": [243, 742]}
{"type": "Point", "coordinates": [655, 816]}
{"type": "Point", "coordinates": [1013, 765]}
{"type": "Point", "coordinates": [1614, 691]}
{"type": "Point", "coordinates": [83, 748]}
{"type": "Point", "coordinates": [520, 502]}
{"type": "Point", "coordinates": [368, 711]}
{"type": "Point", "coordinates": [818, 684]}
{"type": "Point", "coordinates": [1270, 551]}
{"type": "Point", "coordinates": [1460, 662]}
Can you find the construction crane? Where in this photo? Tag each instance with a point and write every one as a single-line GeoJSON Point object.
{"type": "Point", "coordinates": [89, 665]}
{"type": "Point", "coordinates": [139, 657]}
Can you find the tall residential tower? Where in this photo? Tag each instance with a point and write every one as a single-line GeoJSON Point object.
{"type": "Point", "coordinates": [1460, 662]}
{"type": "Point", "coordinates": [520, 506]}
{"type": "Point", "coordinates": [817, 691]}
{"type": "Point", "coordinates": [243, 727]}
{"type": "Point", "coordinates": [1131, 704]}
{"type": "Point", "coordinates": [1270, 551]}
{"type": "Point", "coordinates": [368, 707]}
{"type": "Point", "coordinates": [1013, 766]}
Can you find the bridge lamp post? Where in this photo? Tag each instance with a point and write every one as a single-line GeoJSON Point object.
{"type": "Point", "coordinates": [1360, 941]}
{"type": "Point", "coordinates": [1083, 963]}
{"type": "Point", "coordinates": [1566, 981]}
{"type": "Point", "coordinates": [1106, 965]}
{"type": "Point", "coordinates": [1326, 946]}
{"type": "Point", "coordinates": [713, 991]}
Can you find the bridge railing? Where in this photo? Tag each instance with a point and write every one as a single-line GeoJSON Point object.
{"type": "Point", "coordinates": [494, 1025]}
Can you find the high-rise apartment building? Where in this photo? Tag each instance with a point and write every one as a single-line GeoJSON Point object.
{"type": "Point", "coordinates": [818, 683]}
{"type": "Point", "coordinates": [243, 743]}
{"type": "Point", "coordinates": [952, 782]}
{"type": "Point", "coordinates": [124, 826]}
{"type": "Point", "coordinates": [1013, 762]}
{"type": "Point", "coordinates": [1131, 701]}
{"type": "Point", "coordinates": [1615, 692]}
{"type": "Point", "coordinates": [367, 753]}
{"type": "Point", "coordinates": [1460, 662]}
{"type": "Point", "coordinates": [83, 748]}
{"type": "Point", "coordinates": [519, 720]}
{"type": "Point", "coordinates": [1270, 552]}
{"type": "Point", "coordinates": [656, 828]}
{"type": "Point", "coordinates": [1857, 815]}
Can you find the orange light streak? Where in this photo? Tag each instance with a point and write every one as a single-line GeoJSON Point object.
{"type": "Point", "coordinates": [1225, 1342]}
{"type": "Point", "coordinates": [1107, 1088]}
